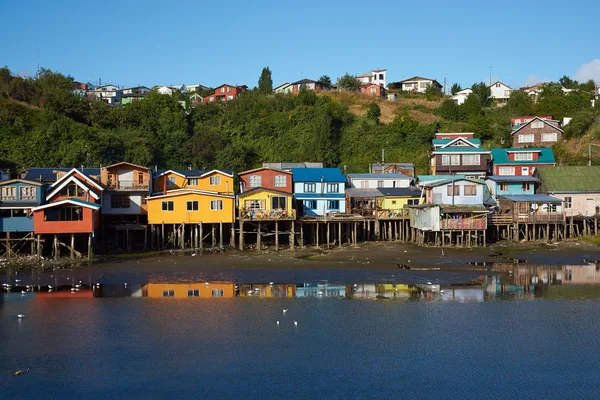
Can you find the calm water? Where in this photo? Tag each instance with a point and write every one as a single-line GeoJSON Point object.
{"type": "Point", "coordinates": [520, 331]}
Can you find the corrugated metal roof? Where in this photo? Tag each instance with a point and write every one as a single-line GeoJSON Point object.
{"type": "Point", "coordinates": [356, 192]}
{"type": "Point", "coordinates": [379, 176]}
{"type": "Point", "coordinates": [475, 208]}
{"type": "Point", "coordinates": [324, 196]}
{"type": "Point", "coordinates": [570, 179]}
{"type": "Point", "coordinates": [400, 192]}
{"type": "Point", "coordinates": [49, 174]}
{"type": "Point", "coordinates": [316, 174]}
{"type": "Point", "coordinates": [441, 142]}
{"type": "Point", "coordinates": [500, 156]}
{"type": "Point", "coordinates": [531, 198]}
{"type": "Point", "coordinates": [510, 178]}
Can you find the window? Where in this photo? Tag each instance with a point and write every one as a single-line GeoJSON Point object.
{"type": "Point", "coordinates": [217, 293]}
{"type": "Point", "coordinates": [211, 99]}
{"type": "Point", "coordinates": [393, 202]}
{"type": "Point", "coordinates": [222, 90]}
{"type": "Point", "coordinates": [119, 201]}
{"type": "Point", "coordinates": [280, 181]}
{"type": "Point", "coordinates": [537, 124]}
{"type": "Point", "coordinates": [424, 85]}
{"type": "Point", "coordinates": [171, 181]}
{"type": "Point", "coordinates": [66, 213]}
{"type": "Point", "coordinates": [470, 190]}
{"type": "Point", "coordinates": [333, 204]}
{"type": "Point", "coordinates": [448, 159]}
{"type": "Point", "coordinates": [373, 91]}
{"type": "Point", "coordinates": [504, 187]}
{"type": "Point", "coordinates": [526, 138]}
{"type": "Point", "coordinates": [27, 193]}
{"type": "Point", "coordinates": [412, 202]}
{"type": "Point", "coordinates": [229, 97]}
{"type": "Point", "coordinates": [167, 206]}
{"type": "Point", "coordinates": [255, 181]}
{"type": "Point", "coordinates": [216, 204]}
{"type": "Point", "coordinates": [471, 159]}
{"type": "Point", "coordinates": [168, 293]}
{"type": "Point", "coordinates": [193, 293]}
{"type": "Point", "coordinates": [254, 205]}
{"type": "Point", "coordinates": [568, 202]}
{"type": "Point", "coordinates": [310, 204]}
{"type": "Point", "coordinates": [381, 77]}
{"type": "Point", "coordinates": [364, 184]}
{"type": "Point", "coordinates": [192, 205]}
{"type": "Point", "coordinates": [7, 193]}
{"type": "Point", "coordinates": [549, 137]}
{"type": "Point", "coordinates": [506, 171]}
{"type": "Point", "coordinates": [72, 190]}
{"type": "Point", "coordinates": [379, 184]}
{"type": "Point", "coordinates": [140, 178]}
{"type": "Point", "coordinates": [193, 182]}
{"type": "Point", "coordinates": [526, 187]}
{"type": "Point", "coordinates": [552, 208]}
{"type": "Point", "coordinates": [333, 187]}
{"type": "Point", "coordinates": [310, 187]}
{"type": "Point", "coordinates": [456, 191]}
{"type": "Point", "coordinates": [278, 202]}
{"type": "Point", "coordinates": [228, 89]}
{"type": "Point", "coordinates": [497, 85]}
{"type": "Point", "coordinates": [215, 180]}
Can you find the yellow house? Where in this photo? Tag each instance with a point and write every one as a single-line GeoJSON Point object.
{"type": "Point", "coordinates": [213, 181]}
{"type": "Point", "coordinates": [395, 199]}
{"type": "Point", "coordinates": [266, 204]}
{"type": "Point", "coordinates": [191, 206]}
{"type": "Point", "coordinates": [265, 290]}
{"type": "Point", "coordinates": [185, 290]}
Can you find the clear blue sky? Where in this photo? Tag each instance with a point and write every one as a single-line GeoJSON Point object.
{"type": "Point", "coordinates": [152, 42]}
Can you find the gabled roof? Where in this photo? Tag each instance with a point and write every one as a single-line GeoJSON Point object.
{"type": "Point", "coordinates": [11, 181]}
{"type": "Point", "coordinates": [194, 173]}
{"type": "Point", "coordinates": [263, 189]}
{"type": "Point", "coordinates": [500, 83]}
{"type": "Point", "coordinates": [181, 192]}
{"type": "Point", "coordinates": [234, 86]}
{"type": "Point", "coordinates": [470, 142]}
{"type": "Point", "coordinates": [417, 78]}
{"type": "Point", "coordinates": [475, 142]}
{"type": "Point", "coordinates": [125, 163]}
{"type": "Point", "coordinates": [71, 173]}
{"type": "Point", "coordinates": [378, 176]}
{"type": "Point", "coordinates": [316, 174]}
{"type": "Point", "coordinates": [49, 174]}
{"type": "Point", "coordinates": [545, 121]}
{"type": "Point", "coordinates": [285, 84]}
{"type": "Point", "coordinates": [500, 156]}
{"type": "Point", "coordinates": [228, 173]}
{"type": "Point", "coordinates": [75, 202]}
{"type": "Point", "coordinates": [64, 182]}
{"type": "Point", "coordinates": [460, 149]}
{"type": "Point", "coordinates": [264, 168]}
{"type": "Point", "coordinates": [570, 179]}
{"type": "Point", "coordinates": [304, 81]}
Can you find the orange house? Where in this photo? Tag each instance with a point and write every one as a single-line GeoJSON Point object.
{"type": "Point", "coordinates": [373, 90]}
{"type": "Point", "coordinates": [73, 204]}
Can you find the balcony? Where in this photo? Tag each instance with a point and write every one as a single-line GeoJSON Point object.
{"type": "Point", "coordinates": [128, 185]}
{"type": "Point", "coordinates": [267, 215]}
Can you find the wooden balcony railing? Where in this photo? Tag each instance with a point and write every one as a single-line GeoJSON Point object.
{"type": "Point", "coordinates": [128, 185]}
{"type": "Point", "coordinates": [393, 214]}
{"type": "Point", "coordinates": [267, 215]}
{"type": "Point", "coordinates": [527, 218]}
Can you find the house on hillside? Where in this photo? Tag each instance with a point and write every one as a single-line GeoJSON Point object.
{"type": "Point", "coordinates": [520, 162]}
{"type": "Point", "coordinates": [577, 187]}
{"type": "Point", "coordinates": [204, 180]}
{"type": "Point", "coordinates": [285, 87]}
{"type": "Point", "coordinates": [224, 93]}
{"type": "Point", "coordinates": [415, 84]}
{"type": "Point", "coordinates": [393, 168]}
{"type": "Point", "coordinates": [376, 181]}
{"type": "Point", "coordinates": [308, 84]}
{"type": "Point", "coordinates": [373, 90]}
{"type": "Point", "coordinates": [456, 154]}
{"type": "Point", "coordinates": [320, 191]}
{"type": "Point", "coordinates": [517, 121]}
{"type": "Point", "coordinates": [537, 132]}
{"type": "Point", "coordinates": [500, 92]}
{"type": "Point", "coordinates": [110, 94]}
{"type": "Point", "coordinates": [376, 76]}
{"type": "Point", "coordinates": [288, 166]}
{"type": "Point", "coordinates": [195, 88]}
{"type": "Point", "coordinates": [460, 97]}
{"type": "Point", "coordinates": [132, 94]}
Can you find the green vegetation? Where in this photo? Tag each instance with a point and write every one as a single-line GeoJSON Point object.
{"type": "Point", "coordinates": [348, 82]}
{"type": "Point", "coordinates": [265, 82]}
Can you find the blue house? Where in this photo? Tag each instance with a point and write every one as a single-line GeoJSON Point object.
{"type": "Point", "coordinates": [320, 191]}
{"type": "Point", "coordinates": [509, 185]}
{"type": "Point", "coordinates": [17, 198]}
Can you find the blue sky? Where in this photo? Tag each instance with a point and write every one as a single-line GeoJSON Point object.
{"type": "Point", "coordinates": [152, 42]}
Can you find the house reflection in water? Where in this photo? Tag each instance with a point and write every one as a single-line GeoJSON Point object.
{"type": "Point", "coordinates": [383, 291]}
{"type": "Point", "coordinates": [320, 289]}
{"type": "Point", "coordinates": [267, 290]}
{"type": "Point", "coordinates": [184, 290]}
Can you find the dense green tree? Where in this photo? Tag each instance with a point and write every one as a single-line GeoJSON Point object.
{"type": "Point", "coordinates": [568, 83]}
{"type": "Point", "coordinates": [348, 82]}
{"type": "Point", "coordinates": [553, 100]}
{"type": "Point", "coordinates": [265, 82]}
{"type": "Point", "coordinates": [433, 92]}
{"type": "Point", "coordinates": [580, 124]}
{"type": "Point", "coordinates": [483, 93]}
{"type": "Point", "coordinates": [325, 80]}
{"type": "Point", "coordinates": [374, 112]}
{"type": "Point", "coordinates": [519, 103]}
{"type": "Point", "coordinates": [472, 106]}
{"type": "Point", "coordinates": [455, 88]}
{"type": "Point", "coordinates": [452, 111]}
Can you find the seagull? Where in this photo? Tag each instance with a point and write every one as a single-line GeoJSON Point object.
{"type": "Point", "coordinates": [429, 283]}
{"type": "Point", "coordinates": [295, 323]}
{"type": "Point", "coordinates": [20, 316]}
{"type": "Point", "coordinates": [23, 292]}
{"type": "Point", "coordinates": [17, 280]}
{"type": "Point", "coordinates": [50, 287]}
{"type": "Point", "coordinates": [285, 310]}
{"type": "Point", "coordinates": [277, 323]}
{"type": "Point", "coordinates": [270, 283]}
{"type": "Point", "coordinates": [78, 286]}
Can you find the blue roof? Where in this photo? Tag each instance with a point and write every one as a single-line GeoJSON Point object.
{"type": "Point", "coordinates": [500, 156]}
{"type": "Point", "coordinates": [511, 178]}
{"type": "Point", "coordinates": [48, 174]}
{"type": "Point", "coordinates": [531, 198]}
{"type": "Point", "coordinates": [427, 178]}
{"type": "Point", "coordinates": [316, 174]}
{"type": "Point", "coordinates": [301, 196]}
{"type": "Point", "coordinates": [379, 176]}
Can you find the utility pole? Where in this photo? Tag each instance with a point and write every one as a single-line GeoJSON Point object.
{"type": "Point", "coordinates": [445, 84]}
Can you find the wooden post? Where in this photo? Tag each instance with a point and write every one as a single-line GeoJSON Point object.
{"type": "Point", "coordinates": [221, 235]}
{"type": "Point", "coordinates": [317, 235]}
{"type": "Point", "coordinates": [201, 236]}
{"type": "Point", "coordinates": [72, 246]}
{"type": "Point", "coordinates": [241, 239]}
{"type": "Point", "coordinates": [258, 237]}
{"type": "Point", "coordinates": [293, 236]}
{"type": "Point", "coordinates": [327, 241]}
{"type": "Point", "coordinates": [39, 247]}
{"type": "Point", "coordinates": [56, 248]}
{"type": "Point", "coordinates": [339, 234]}
{"type": "Point", "coordinates": [182, 237]}
{"type": "Point", "coordinates": [301, 235]}
{"type": "Point", "coordinates": [89, 246]}
{"type": "Point", "coordinates": [355, 234]}
{"type": "Point", "coordinates": [214, 236]}
{"type": "Point", "coordinates": [232, 237]}
{"type": "Point", "coordinates": [276, 235]}
{"type": "Point", "coordinates": [390, 237]}
{"type": "Point", "coordinates": [162, 236]}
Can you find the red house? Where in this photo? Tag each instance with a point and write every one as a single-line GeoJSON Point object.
{"type": "Point", "coordinates": [373, 90]}
{"type": "Point", "coordinates": [268, 178]}
{"type": "Point", "coordinates": [224, 93]}
{"type": "Point", "coordinates": [73, 204]}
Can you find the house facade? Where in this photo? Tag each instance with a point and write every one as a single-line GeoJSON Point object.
{"type": "Point", "coordinates": [509, 185]}
{"type": "Point", "coordinates": [264, 177]}
{"type": "Point", "coordinates": [458, 191]}
{"type": "Point", "coordinates": [266, 193]}
{"type": "Point", "coordinates": [537, 132]}
{"type": "Point", "coordinates": [520, 161]}
{"type": "Point", "coordinates": [191, 206]}
{"type": "Point", "coordinates": [407, 169]}
{"type": "Point", "coordinates": [373, 89]}
{"type": "Point", "coordinates": [110, 94]}
{"type": "Point", "coordinates": [285, 87]}
{"type": "Point", "coordinates": [461, 155]}
{"type": "Point", "coordinates": [224, 93]}
{"type": "Point", "coordinates": [577, 187]}
{"type": "Point", "coordinates": [319, 191]}
{"type": "Point", "coordinates": [377, 77]}
{"type": "Point", "coordinates": [126, 189]}
{"type": "Point", "coordinates": [500, 92]}
{"type": "Point", "coordinates": [416, 84]}
{"type": "Point", "coordinates": [308, 84]}
{"type": "Point", "coordinates": [17, 199]}
{"type": "Point", "coordinates": [212, 181]}
{"type": "Point", "coordinates": [376, 181]}
{"type": "Point", "coordinates": [461, 96]}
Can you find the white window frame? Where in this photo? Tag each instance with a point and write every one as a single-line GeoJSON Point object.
{"type": "Point", "coordinates": [216, 205]}
{"type": "Point", "coordinates": [254, 181]}
{"type": "Point", "coordinates": [553, 137]}
{"type": "Point", "coordinates": [526, 138]}
{"type": "Point", "coordinates": [506, 171]}
{"type": "Point", "coordinates": [568, 202]}
{"type": "Point", "coordinates": [214, 180]}
{"type": "Point", "coordinates": [523, 156]}
{"type": "Point", "coordinates": [525, 171]}
{"type": "Point", "coordinates": [471, 159]}
{"type": "Point", "coordinates": [310, 188]}
{"type": "Point", "coordinates": [171, 181]}
{"type": "Point", "coordinates": [333, 187]}
{"type": "Point", "coordinates": [27, 193]}
{"type": "Point", "coordinates": [280, 181]}
{"type": "Point", "coordinates": [192, 181]}
{"type": "Point", "coordinates": [537, 124]}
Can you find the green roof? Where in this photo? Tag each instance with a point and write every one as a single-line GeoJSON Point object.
{"type": "Point", "coordinates": [570, 179]}
{"type": "Point", "coordinates": [500, 156]}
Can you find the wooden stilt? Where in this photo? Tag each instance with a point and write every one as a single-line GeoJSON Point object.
{"type": "Point", "coordinates": [39, 247]}
{"type": "Point", "coordinates": [162, 236]}
{"type": "Point", "coordinates": [241, 239]}
{"type": "Point", "coordinates": [276, 235]}
{"type": "Point", "coordinates": [293, 236]}
{"type": "Point", "coordinates": [232, 236]}
{"type": "Point", "coordinates": [327, 241]}
{"type": "Point", "coordinates": [355, 234]}
{"type": "Point", "coordinates": [258, 237]}
{"type": "Point", "coordinates": [214, 236]}
{"type": "Point", "coordinates": [56, 248]}
{"type": "Point", "coordinates": [89, 246]}
{"type": "Point", "coordinates": [301, 235]}
{"type": "Point", "coordinates": [339, 234]}
{"type": "Point", "coordinates": [317, 234]}
{"type": "Point", "coordinates": [72, 246]}
{"type": "Point", "coordinates": [221, 235]}
{"type": "Point", "coordinates": [201, 236]}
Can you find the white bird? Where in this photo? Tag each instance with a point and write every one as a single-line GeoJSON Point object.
{"type": "Point", "coordinates": [277, 323]}
{"type": "Point", "coordinates": [78, 286]}
{"type": "Point", "coordinates": [125, 284]}
{"type": "Point", "coordinates": [285, 310]}
{"type": "Point", "coordinates": [17, 280]}
{"type": "Point", "coordinates": [295, 323]}
{"type": "Point", "coordinates": [429, 283]}
{"type": "Point", "coordinates": [270, 283]}
{"type": "Point", "coordinates": [23, 292]}
{"type": "Point", "coordinates": [20, 316]}
{"type": "Point", "coordinates": [50, 287]}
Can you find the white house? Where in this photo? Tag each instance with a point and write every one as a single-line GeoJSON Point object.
{"type": "Point", "coordinates": [110, 94]}
{"type": "Point", "coordinates": [285, 87]}
{"type": "Point", "coordinates": [164, 90]}
{"type": "Point", "coordinates": [374, 181]}
{"type": "Point", "coordinates": [500, 92]}
{"type": "Point", "coordinates": [376, 76]}
{"type": "Point", "coordinates": [137, 90]}
{"type": "Point", "coordinates": [194, 88]}
{"type": "Point", "coordinates": [416, 84]}
{"type": "Point", "coordinates": [460, 97]}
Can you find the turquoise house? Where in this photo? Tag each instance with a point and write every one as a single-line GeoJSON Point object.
{"type": "Point", "coordinates": [17, 198]}
{"type": "Point", "coordinates": [510, 185]}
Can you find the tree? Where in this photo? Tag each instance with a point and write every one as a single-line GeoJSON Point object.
{"type": "Point", "coordinates": [374, 112]}
{"type": "Point", "coordinates": [265, 82]}
{"type": "Point", "coordinates": [472, 106]}
{"type": "Point", "coordinates": [519, 103]}
{"type": "Point", "coordinates": [433, 92]}
{"type": "Point", "coordinates": [325, 80]}
{"type": "Point", "coordinates": [349, 82]}
{"type": "Point", "coordinates": [455, 88]}
{"type": "Point", "coordinates": [452, 111]}
{"type": "Point", "coordinates": [483, 93]}
{"type": "Point", "coordinates": [580, 124]}
{"type": "Point", "coordinates": [568, 83]}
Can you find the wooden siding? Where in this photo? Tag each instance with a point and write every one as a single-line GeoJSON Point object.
{"type": "Point", "coordinates": [267, 180]}
{"type": "Point", "coordinates": [180, 214]}
{"type": "Point", "coordinates": [90, 221]}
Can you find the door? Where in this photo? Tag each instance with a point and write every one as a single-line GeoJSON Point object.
{"type": "Point", "coordinates": [125, 179]}
{"type": "Point", "coordinates": [590, 207]}
{"type": "Point", "coordinates": [525, 171]}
